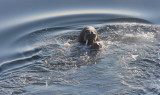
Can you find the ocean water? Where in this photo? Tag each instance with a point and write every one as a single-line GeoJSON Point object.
{"type": "Point", "coordinates": [40, 55]}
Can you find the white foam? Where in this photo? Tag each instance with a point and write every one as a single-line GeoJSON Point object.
{"type": "Point", "coordinates": [134, 56]}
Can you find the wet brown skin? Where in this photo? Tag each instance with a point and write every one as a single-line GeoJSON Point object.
{"type": "Point", "coordinates": [89, 36]}
{"type": "Point", "coordinates": [96, 46]}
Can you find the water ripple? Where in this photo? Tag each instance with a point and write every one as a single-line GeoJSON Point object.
{"type": "Point", "coordinates": [47, 58]}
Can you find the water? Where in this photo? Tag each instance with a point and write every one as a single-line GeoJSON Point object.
{"type": "Point", "coordinates": [40, 53]}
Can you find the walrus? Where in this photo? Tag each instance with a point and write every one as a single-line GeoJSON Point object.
{"type": "Point", "coordinates": [89, 37]}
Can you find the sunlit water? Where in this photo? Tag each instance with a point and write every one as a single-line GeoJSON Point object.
{"type": "Point", "coordinates": [40, 55]}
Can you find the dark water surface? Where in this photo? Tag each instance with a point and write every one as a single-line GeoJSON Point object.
{"type": "Point", "coordinates": [40, 55]}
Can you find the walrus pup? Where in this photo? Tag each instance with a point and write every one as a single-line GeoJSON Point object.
{"type": "Point", "coordinates": [89, 36]}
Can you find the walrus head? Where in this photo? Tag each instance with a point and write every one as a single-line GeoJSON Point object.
{"type": "Point", "coordinates": [88, 35]}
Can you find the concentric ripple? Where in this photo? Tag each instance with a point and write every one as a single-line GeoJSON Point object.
{"type": "Point", "coordinates": [50, 60]}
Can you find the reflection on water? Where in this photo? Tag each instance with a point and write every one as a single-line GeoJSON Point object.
{"type": "Point", "coordinates": [50, 61]}
{"type": "Point", "coordinates": [20, 20]}
{"type": "Point", "coordinates": [40, 53]}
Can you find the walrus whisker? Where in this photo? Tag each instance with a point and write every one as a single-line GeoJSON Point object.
{"type": "Point", "coordinates": [86, 42]}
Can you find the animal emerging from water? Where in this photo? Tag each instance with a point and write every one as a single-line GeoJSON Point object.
{"type": "Point", "coordinates": [89, 37]}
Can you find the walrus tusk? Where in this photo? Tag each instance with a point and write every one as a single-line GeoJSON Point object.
{"type": "Point", "coordinates": [86, 42]}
